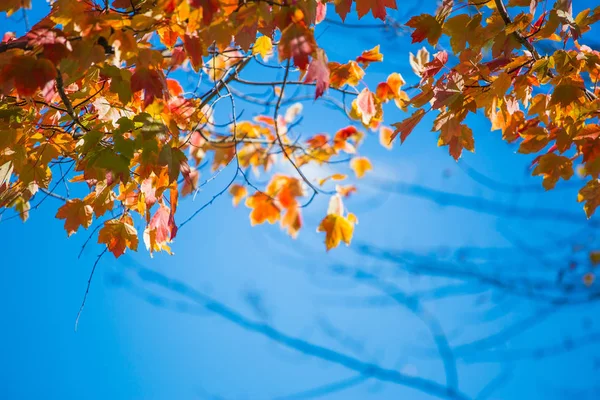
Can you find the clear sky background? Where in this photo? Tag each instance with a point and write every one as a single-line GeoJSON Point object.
{"type": "Point", "coordinates": [200, 324]}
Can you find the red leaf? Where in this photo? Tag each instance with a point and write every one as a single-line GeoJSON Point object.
{"type": "Point", "coordinates": [377, 7]}
{"type": "Point", "coordinates": [342, 7]}
{"type": "Point", "coordinates": [318, 71]}
{"type": "Point", "coordinates": [297, 42]}
{"type": "Point", "coordinates": [193, 47]}
{"type": "Point", "coordinates": [405, 127]}
{"type": "Point", "coordinates": [151, 82]}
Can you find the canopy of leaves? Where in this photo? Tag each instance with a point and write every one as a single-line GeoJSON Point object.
{"type": "Point", "coordinates": [92, 94]}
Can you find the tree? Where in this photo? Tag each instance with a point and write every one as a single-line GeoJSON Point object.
{"type": "Point", "coordinates": [97, 89]}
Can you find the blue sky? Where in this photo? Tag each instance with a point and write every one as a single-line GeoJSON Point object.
{"type": "Point", "coordinates": [143, 335]}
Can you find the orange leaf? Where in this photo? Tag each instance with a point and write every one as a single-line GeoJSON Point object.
{"type": "Point", "coordinates": [238, 192]}
{"type": "Point", "coordinates": [360, 166]}
{"type": "Point", "coordinates": [263, 209]}
{"type": "Point", "coordinates": [370, 56]}
{"type": "Point", "coordinates": [119, 235]}
{"type": "Point", "coordinates": [76, 213]}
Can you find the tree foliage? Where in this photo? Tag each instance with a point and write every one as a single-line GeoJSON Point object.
{"type": "Point", "coordinates": [93, 93]}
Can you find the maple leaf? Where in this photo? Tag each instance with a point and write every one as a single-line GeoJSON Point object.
{"type": "Point", "coordinates": [76, 213]}
{"type": "Point", "coordinates": [360, 166]}
{"type": "Point", "coordinates": [425, 27]}
{"type": "Point", "coordinates": [209, 9]}
{"type": "Point", "coordinates": [151, 82]}
{"type": "Point", "coordinates": [377, 7]}
{"type": "Point", "coordinates": [27, 74]}
{"type": "Point", "coordinates": [345, 191]}
{"type": "Point", "coordinates": [370, 56]}
{"type": "Point", "coordinates": [292, 221]}
{"type": "Point", "coordinates": [334, 177]}
{"type": "Point", "coordinates": [297, 42]}
{"type": "Point", "coordinates": [386, 137]}
{"type": "Point", "coordinates": [553, 167]}
{"type": "Point", "coordinates": [345, 74]}
{"type": "Point", "coordinates": [263, 46]}
{"type": "Point", "coordinates": [174, 160]}
{"type": "Point", "coordinates": [321, 12]}
{"type": "Point", "coordinates": [190, 183]}
{"type": "Point", "coordinates": [418, 62]}
{"type": "Point", "coordinates": [406, 127]}
{"type": "Point", "coordinates": [590, 194]}
{"type": "Point", "coordinates": [365, 104]}
{"type": "Point", "coordinates": [119, 235]}
{"type": "Point", "coordinates": [319, 72]}
{"type": "Point", "coordinates": [342, 7]}
{"type": "Point", "coordinates": [193, 47]}
{"type": "Point", "coordinates": [337, 227]}
{"type": "Point", "coordinates": [160, 231]}
{"type": "Point", "coordinates": [263, 209]}
{"type": "Point", "coordinates": [238, 192]}
{"type": "Point", "coordinates": [457, 137]}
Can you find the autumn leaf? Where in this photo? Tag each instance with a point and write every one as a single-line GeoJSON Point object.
{"type": "Point", "coordinates": [264, 47]}
{"type": "Point", "coordinates": [386, 137]}
{"type": "Point", "coordinates": [457, 137]}
{"type": "Point", "coordinates": [553, 167]}
{"type": "Point", "coordinates": [160, 231]}
{"type": "Point", "coordinates": [377, 7]}
{"type": "Point", "coordinates": [76, 213]}
{"type": "Point", "coordinates": [337, 227]}
{"type": "Point", "coordinates": [318, 72]}
{"type": "Point", "coordinates": [193, 47]}
{"type": "Point", "coordinates": [334, 177]}
{"type": "Point", "coordinates": [27, 74]}
{"type": "Point", "coordinates": [418, 62]}
{"type": "Point", "coordinates": [590, 194]}
{"type": "Point", "coordinates": [238, 192]}
{"type": "Point", "coordinates": [263, 209]}
{"type": "Point", "coordinates": [342, 7]}
{"type": "Point", "coordinates": [119, 235]}
{"type": "Point", "coordinates": [321, 12]}
{"type": "Point", "coordinates": [425, 27]}
{"type": "Point", "coordinates": [406, 127]}
{"type": "Point", "coordinates": [297, 42]}
{"type": "Point", "coordinates": [150, 82]}
{"type": "Point", "coordinates": [370, 56]}
{"type": "Point", "coordinates": [345, 74]}
{"type": "Point", "coordinates": [365, 104]}
{"type": "Point", "coordinates": [360, 166]}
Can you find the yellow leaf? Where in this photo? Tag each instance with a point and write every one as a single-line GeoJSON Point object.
{"type": "Point", "coordinates": [337, 229]}
{"type": "Point", "coordinates": [386, 137]}
{"type": "Point", "coordinates": [264, 47]}
{"type": "Point", "coordinates": [334, 177]}
{"type": "Point", "coordinates": [360, 166]}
